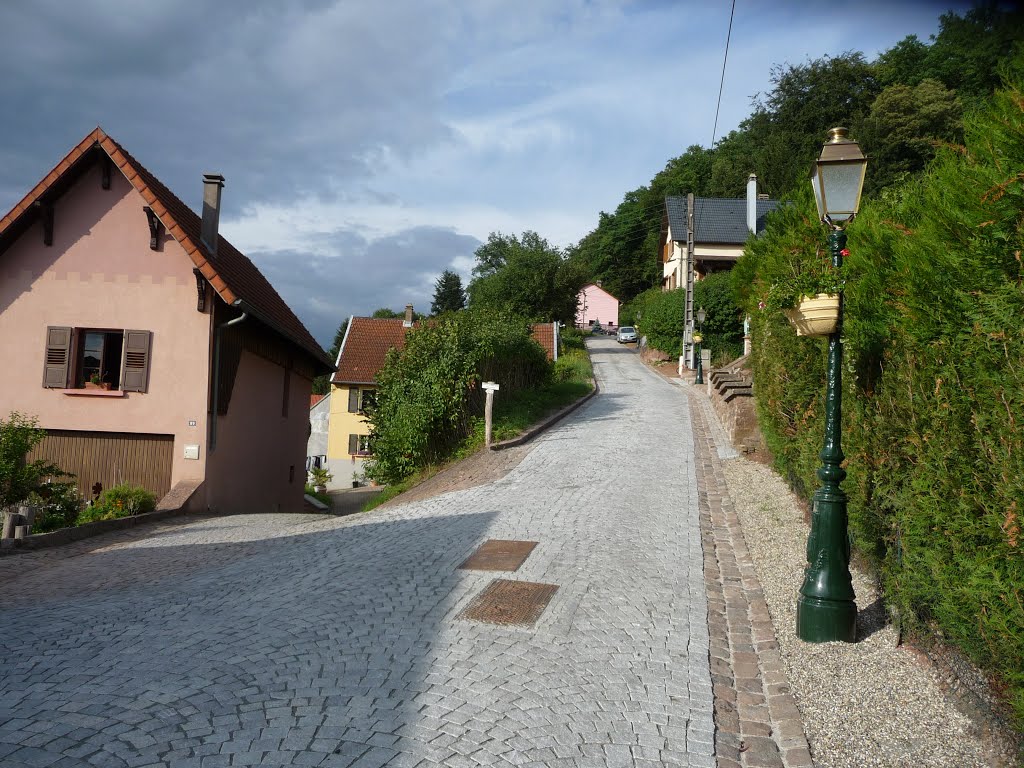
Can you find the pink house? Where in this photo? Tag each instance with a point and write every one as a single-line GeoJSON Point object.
{"type": "Point", "coordinates": [597, 305]}
{"type": "Point", "coordinates": [149, 348]}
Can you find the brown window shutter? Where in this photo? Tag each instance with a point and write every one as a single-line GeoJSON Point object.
{"type": "Point", "coordinates": [353, 399]}
{"type": "Point", "coordinates": [286, 393]}
{"type": "Point", "coordinates": [58, 356]}
{"type": "Point", "coordinates": [353, 444]}
{"type": "Point", "coordinates": [135, 363]}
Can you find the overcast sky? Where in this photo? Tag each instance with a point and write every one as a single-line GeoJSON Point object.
{"type": "Point", "coordinates": [370, 144]}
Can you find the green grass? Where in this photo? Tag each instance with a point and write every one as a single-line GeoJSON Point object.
{"type": "Point", "coordinates": [323, 498]}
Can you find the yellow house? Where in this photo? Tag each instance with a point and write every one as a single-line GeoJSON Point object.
{"type": "Point", "coordinates": [366, 343]}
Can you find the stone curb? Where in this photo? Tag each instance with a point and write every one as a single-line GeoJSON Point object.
{"type": "Point", "coordinates": [757, 721]}
{"type": "Point", "coordinates": [68, 535]}
{"type": "Point", "coordinates": [550, 421]}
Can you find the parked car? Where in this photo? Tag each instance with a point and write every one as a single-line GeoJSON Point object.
{"type": "Point", "coordinates": [626, 334]}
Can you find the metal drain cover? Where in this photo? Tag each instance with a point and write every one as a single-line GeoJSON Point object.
{"type": "Point", "coordinates": [510, 603]}
{"type": "Point", "coordinates": [499, 555]}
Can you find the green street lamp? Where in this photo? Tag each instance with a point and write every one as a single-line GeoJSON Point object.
{"type": "Point", "coordinates": [826, 609]}
{"type": "Point", "coordinates": [697, 339]}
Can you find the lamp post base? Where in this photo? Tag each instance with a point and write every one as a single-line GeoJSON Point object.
{"type": "Point", "coordinates": [826, 621]}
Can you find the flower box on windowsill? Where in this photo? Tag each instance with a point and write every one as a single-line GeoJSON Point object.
{"type": "Point", "coordinates": [95, 385]}
{"type": "Point", "coordinates": [94, 392]}
{"type": "Point", "coordinates": [817, 316]}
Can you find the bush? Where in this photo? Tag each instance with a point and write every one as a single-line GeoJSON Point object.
{"type": "Point", "coordinates": [19, 477]}
{"type": "Point", "coordinates": [57, 504]}
{"type": "Point", "coordinates": [119, 501]}
{"type": "Point", "coordinates": [573, 366]}
{"type": "Point", "coordinates": [429, 392]}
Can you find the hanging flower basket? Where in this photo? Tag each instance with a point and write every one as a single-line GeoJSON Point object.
{"type": "Point", "coordinates": [816, 316]}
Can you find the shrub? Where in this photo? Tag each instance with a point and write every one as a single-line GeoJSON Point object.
{"type": "Point", "coordinates": [19, 477]}
{"type": "Point", "coordinates": [573, 366]}
{"type": "Point", "coordinates": [429, 392]}
{"type": "Point", "coordinates": [57, 504]}
{"type": "Point", "coordinates": [120, 501]}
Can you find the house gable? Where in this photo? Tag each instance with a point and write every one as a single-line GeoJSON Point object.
{"type": "Point", "coordinates": [365, 348]}
{"type": "Point", "coordinates": [234, 278]}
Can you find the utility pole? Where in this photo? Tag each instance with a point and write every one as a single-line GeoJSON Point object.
{"type": "Point", "coordinates": [688, 314]}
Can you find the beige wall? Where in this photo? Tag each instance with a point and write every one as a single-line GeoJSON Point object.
{"type": "Point", "coordinates": [101, 273]}
{"type": "Point", "coordinates": [259, 463]}
{"type": "Point", "coordinates": [339, 460]}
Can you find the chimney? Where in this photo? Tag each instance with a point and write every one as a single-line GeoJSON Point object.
{"type": "Point", "coordinates": [752, 202]}
{"type": "Point", "coordinates": [212, 185]}
{"type": "Point", "coordinates": [408, 316]}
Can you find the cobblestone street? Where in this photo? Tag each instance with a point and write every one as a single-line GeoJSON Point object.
{"type": "Point", "coordinates": [288, 640]}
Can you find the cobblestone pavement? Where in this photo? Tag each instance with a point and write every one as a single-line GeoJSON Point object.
{"type": "Point", "coordinates": [305, 640]}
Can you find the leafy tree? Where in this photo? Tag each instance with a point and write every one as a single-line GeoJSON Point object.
{"type": "Point", "coordinates": [528, 276]}
{"type": "Point", "coordinates": [384, 313]}
{"type": "Point", "coordinates": [449, 295]}
{"type": "Point", "coordinates": [904, 126]}
{"type": "Point", "coordinates": [19, 434]}
{"type": "Point", "coordinates": [966, 53]}
{"type": "Point", "coordinates": [906, 63]}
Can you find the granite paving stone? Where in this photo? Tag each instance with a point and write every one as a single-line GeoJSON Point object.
{"type": "Point", "coordinates": [315, 640]}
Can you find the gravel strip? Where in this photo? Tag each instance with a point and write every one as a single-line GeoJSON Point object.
{"type": "Point", "coordinates": [870, 703]}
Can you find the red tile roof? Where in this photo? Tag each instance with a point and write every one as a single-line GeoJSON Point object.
{"type": "Point", "coordinates": [544, 334]}
{"type": "Point", "coordinates": [233, 276]}
{"type": "Point", "coordinates": [366, 344]}
{"type": "Point", "coordinates": [314, 399]}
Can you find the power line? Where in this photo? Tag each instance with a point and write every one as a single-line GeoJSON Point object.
{"type": "Point", "coordinates": [721, 85]}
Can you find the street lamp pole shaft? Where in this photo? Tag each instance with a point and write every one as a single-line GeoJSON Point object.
{"type": "Point", "coordinates": [826, 610]}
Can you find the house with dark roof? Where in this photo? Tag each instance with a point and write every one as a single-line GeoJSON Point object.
{"type": "Point", "coordinates": [354, 389]}
{"type": "Point", "coordinates": [718, 227]}
{"type": "Point", "coordinates": [151, 350]}
{"type": "Point", "coordinates": [701, 235]}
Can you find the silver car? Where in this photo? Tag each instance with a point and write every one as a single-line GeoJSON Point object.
{"type": "Point", "coordinates": [626, 334]}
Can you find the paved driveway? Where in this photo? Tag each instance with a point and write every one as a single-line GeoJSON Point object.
{"type": "Point", "coordinates": [301, 640]}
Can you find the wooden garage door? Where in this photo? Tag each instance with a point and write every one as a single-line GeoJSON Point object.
{"type": "Point", "coordinates": [110, 458]}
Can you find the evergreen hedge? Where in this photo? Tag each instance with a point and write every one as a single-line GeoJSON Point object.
{"type": "Point", "coordinates": [933, 401]}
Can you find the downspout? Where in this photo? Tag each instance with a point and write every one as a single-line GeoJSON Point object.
{"type": "Point", "coordinates": [216, 377]}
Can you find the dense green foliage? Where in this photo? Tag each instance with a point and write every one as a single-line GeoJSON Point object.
{"type": "Point", "coordinates": [119, 501]}
{"type": "Point", "coordinates": [658, 315]}
{"type": "Point", "coordinates": [57, 504]}
{"type": "Point", "coordinates": [449, 295]}
{"type": "Point", "coordinates": [19, 477]}
{"type": "Point", "coordinates": [934, 388]}
{"type": "Point", "coordinates": [900, 107]}
{"type": "Point", "coordinates": [527, 276]}
{"type": "Point", "coordinates": [429, 392]}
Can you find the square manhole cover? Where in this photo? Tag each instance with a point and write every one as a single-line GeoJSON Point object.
{"type": "Point", "coordinates": [510, 603]}
{"type": "Point", "coordinates": [499, 555]}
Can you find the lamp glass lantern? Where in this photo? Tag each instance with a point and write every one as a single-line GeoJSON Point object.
{"type": "Point", "coordinates": [701, 315]}
{"type": "Point", "coordinates": [838, 178]}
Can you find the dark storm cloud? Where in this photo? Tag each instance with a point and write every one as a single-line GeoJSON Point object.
{"type": "Point", "coordinates": [389, 272]}
{"type": "Point", "coordinates": [280, 98]}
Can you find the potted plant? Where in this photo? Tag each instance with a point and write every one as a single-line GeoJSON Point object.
{"type": "Point", "coordinates": [96, 382]}
{"type": "Point", "coordinates": [355, 479]}
{"type": "Point", "coordinates": [809, 298]}
{"type": "Point", "coordinates": [321, 477]}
